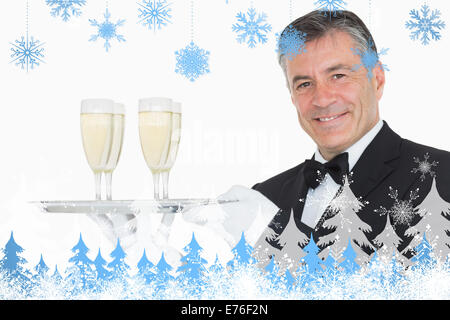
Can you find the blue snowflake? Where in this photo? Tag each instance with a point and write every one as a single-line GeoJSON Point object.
{"type": "Point", "coordinates": [65, 8]}
{"type": "Point", "coordinates": [369, 58]}
{"type": "Point", "coordinates": [192, 61]}
{"type": "Point", "coordinates": [107, 30]}
{"type": "Point", "coordinates": [330, 6]}
{"type": "Point", "coordinates": [291, 42]}
{"type": "Point", "coordinates": [425, 25]}
{"type": "Point", "coordinates": [251, 27]}
{"type": "Point", "coordinates": [154, 13]}
{"type": "Point", "coordinates": [27, 52]}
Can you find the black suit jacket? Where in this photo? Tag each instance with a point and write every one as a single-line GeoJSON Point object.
{"type": "Point", "coordinates": [388, 161]}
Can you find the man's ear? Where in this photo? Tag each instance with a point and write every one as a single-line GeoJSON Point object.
{"type": "Point", "coordinates": [379, 77]}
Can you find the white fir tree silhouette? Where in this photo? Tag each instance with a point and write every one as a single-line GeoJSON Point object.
{"type": "Point", "coordinates": [347, 226]}
{"type": "Point", "coordinates": [388, 241]}
{"type": "Point", "coordinates": [434, 225]}
{"type": "Point", "coordinates": [291, 240]}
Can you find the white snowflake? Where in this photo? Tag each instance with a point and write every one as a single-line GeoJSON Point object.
{"type": "Point", "coordinates": [425, 25]}
{"type": "Point", "coordinates": [154, 13]}
{"type": "Point", "coordinates": [330, 6]}
{"type": "Point", "coordinates": [65, 8]}
{"type": "Point", "coordinates": [424, 167]}
{"type": "Point", "coordinates": [107, 30]}
{"type": "Point", "coordinates": [402, 211]}
{"type": "Point", "coordinates": [27, 52]}
{"type": "Point", "coordinates": [192, 61]}
{"type": "Point", "coordinates": [252, 27]}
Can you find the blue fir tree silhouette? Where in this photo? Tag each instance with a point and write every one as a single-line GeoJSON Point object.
{"type": "Point", "coordinates": [242, 254]}
{"type": "Point", "coordinates": [102, 273]}
{"type": "Point", "coordinates": [162, 273]}
{"type": "Point", "coordinates": [40, 269]}
{"type": "Point", "coordinates": [423, 257]}
{"type": "Point", "coordinates": [312, 264]}
{"type": "Point", "coordinates": [290, 280]}
{"type": "Point", "coordinates": [396, 272]}
{"type": "Point", "coordinates": [12, 264]}
{"type": "Point", "coordinates": [216, 267]}
{"type": "Point", "coordinates": [119, 269]}
{"type": "Point", "coordinates": [349, 265]}
{"type": "Point", "coordinates": [80, 275]}
{"type": "Point", "coordinates": [56, 276]}
{"type": "Point", "coordinates": [377, 269]}
{"type": "Point", "coordinates": [192, 270]}
{"type": "Point", "coordinates": [312, 261]}
{"type": "Point", "coordinates": [193, 265]}
{"type": "Point", "coordinates": [272, 270]}
{"type": "Point", "coordinates": [145, 269]}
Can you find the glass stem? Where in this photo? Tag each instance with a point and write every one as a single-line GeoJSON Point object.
{"type": "Point", "coordinates": [165, 178]}
{"type": "Point", "coordinates": [156, 185]}
{"type": "Point", "coordinates": [98, 185]}
{"type": "Point", "coordinates": [108, 179]}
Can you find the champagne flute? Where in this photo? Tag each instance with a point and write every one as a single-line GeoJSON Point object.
{"type": "Point", "coordinates": [155, 127]}
{"type": "Point", "coordinates": [173, 147]}
{"type": "Point", "coordinates": [116, 145]}
{"type": "Point", "coordinates": [96, 131]}
{"type": "Point", "coordinates": [175, 135]}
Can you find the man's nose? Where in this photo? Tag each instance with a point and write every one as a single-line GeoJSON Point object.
{"type": "Point", "coordinates": [324, 96]}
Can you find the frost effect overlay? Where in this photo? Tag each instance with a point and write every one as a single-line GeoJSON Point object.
{"type": "Point", "coordinates": [241, 278]}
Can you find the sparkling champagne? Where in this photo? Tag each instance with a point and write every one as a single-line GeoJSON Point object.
{"type": "Point", "coordinates": [97, 136]}
{"type": "Point", "coordinates": [155, 129]}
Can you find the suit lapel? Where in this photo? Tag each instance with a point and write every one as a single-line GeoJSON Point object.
{"type": "Point", "coordinates": [294, 196]}
{"type": "Point", "coordinates": [374, 164]}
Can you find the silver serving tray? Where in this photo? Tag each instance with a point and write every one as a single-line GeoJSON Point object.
{"type": "Point", "coordinates": [125, 206]}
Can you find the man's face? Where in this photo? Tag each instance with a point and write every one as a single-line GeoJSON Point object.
{"type": "Point", "coordinates": [336, 105]}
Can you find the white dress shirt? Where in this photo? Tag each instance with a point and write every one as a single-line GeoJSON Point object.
{"type": "Point", "coordinates": [318, 199]}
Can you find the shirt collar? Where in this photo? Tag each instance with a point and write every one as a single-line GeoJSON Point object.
{"type": "Point", "coordinates": [355, 151]}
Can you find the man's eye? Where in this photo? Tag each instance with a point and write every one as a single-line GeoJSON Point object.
{"type": "Point", "coordinates": [338, 76]}
{"type": "Point", "coordinates": [303, 85]}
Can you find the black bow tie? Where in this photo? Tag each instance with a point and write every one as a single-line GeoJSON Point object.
{"type": "Point", "coordinates": [315, 171]}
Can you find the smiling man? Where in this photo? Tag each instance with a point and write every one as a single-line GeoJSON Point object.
{"type": "Point", "coordinates": [336, 94]}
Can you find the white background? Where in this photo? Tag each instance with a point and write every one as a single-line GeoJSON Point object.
{"type": "Point", "coordinates": [239, 126]}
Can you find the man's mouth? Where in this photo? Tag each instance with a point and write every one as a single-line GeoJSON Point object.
{"type": "Point", "coordinates": [330, 118]}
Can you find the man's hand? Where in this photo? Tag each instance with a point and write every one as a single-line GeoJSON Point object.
{"type": "Point", "coordinates": [251, 214]}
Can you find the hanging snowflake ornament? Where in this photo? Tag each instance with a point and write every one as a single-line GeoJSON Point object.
{"type": "Point", "coordinates": [154, 13]}
{"type": "Point", "coordinates": [65, 8]}
{"type": "Point", "coordinates": [423, 24]}
{"type": "Point", "coordinates": [402, 211]}
{"type": "Point", "coordinates": [251, 28]}
{"type": "Point", "coordinates": [107, 30]}
{"type": "Point", "coordinates": [424, 167]}
{"type": "Point", "coordinates": [192, 61]}
{"type": "Point", "coordinates": [291, 42]}
{"type": "Point", "coordinates": [27, 52]}
{"type": "Point", "coordinates": [369, 58]}
{"type": "Point", "coordinates": [330, 7]}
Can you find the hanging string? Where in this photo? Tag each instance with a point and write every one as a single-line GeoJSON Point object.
{"type": "Point", "coordinates": [26, 18]}
{"type": "Point", "coordinates": [290, 10]}
{"type": "Point", "coordinates": [192, 21]}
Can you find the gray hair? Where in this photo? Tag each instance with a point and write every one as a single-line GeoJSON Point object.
{"type": "Point", "coordinates": [318, 23]}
